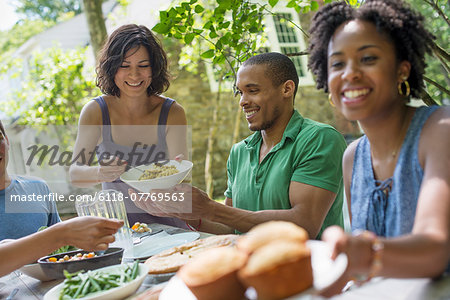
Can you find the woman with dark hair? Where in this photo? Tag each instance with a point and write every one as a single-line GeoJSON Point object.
{"type": "Point", "coordinates": [397, 176]}
{"type": "Point", "coordinates": [132, 123]}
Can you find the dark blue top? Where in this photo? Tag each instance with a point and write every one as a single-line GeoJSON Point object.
{"type": "Point", "coordinates": [148, 155]}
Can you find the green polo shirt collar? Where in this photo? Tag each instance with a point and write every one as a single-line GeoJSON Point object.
{"type": "Point", "coordinates": [291, 131]}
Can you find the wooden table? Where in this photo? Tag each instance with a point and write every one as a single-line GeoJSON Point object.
{"type": "Point", "coordinates": [30, 288]}
{"type": "Point", "coordinates": [378, 288]}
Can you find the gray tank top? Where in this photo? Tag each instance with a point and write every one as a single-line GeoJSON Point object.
{"type": "Point", "coordinates": [107, 145]}
{"type": "Point", "coordinates": [388, 208]}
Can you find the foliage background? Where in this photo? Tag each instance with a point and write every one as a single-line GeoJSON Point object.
{"type": "Point", "coordinates": [221, 33]}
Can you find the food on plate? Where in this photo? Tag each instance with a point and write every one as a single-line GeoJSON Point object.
{"type": "Point", "coordinates": [269, 232]}
{"type": "Point", "coordinates": [171, 260]}
{"type": "Point", "coordinates": [157, 170]}
{"type": "Point", "coordinates": [140, 227]}
{"type": "Point", "coordinates": [78, 256]}
{"type": "Point", "coordinates": [79, 285]}
{"type": "Point", "coordinates": [213, 275]}
{"type": "Point", "coordinates": [278, 270]}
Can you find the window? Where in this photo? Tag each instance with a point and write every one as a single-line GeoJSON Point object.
{"type": "Point", "coordinates": [283, 37]}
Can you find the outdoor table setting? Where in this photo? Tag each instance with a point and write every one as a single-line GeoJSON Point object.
{"type": "Point", "coordinates": [146, 259]}
{"type": "Point", "coordinates": [26, 287]}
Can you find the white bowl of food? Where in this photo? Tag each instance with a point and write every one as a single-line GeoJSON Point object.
{"type": "Point", "coordinates": [113, 282]}
{"type": "Point", "coordinates": [145, 178]}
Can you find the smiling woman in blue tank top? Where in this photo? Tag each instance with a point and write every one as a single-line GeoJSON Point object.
{"type": "Point", "coordinates": [397, 176]}
{"type": "Point", "coordinates": [132, 123]}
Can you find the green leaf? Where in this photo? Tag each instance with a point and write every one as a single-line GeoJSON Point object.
{"type": "Point", "coordinates": [161, 28]}
{"type": "Point", "coordinates": [208, 54]}
{"type": "Point", "coordinates": [189, 37]}
{"type": "Point", "coordinates": [172, 13]}
{"type": "Point", "coordinates": [213, 34]}
{"type": "Point", "coordinates": [273, 2]}
{"type": "Point", "coordinates": [163, 15]}
{"type": "Point", "coordinates": [198, 9]}
{"type": "Point", "coordinates": [314, 5]}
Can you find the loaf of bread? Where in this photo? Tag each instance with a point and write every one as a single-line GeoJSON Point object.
{"type": "Point", "coordinates": [278, 270]}
{"type": "Point", "coordinates": [213, 275]}
{"type": "Point", "coordinates": [269, 232]}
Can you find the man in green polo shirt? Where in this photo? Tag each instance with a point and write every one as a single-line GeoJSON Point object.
{"type": "Point", "coordinates": [290, 169]}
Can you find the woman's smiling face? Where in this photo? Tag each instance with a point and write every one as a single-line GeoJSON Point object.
{"type": "Point", "coordinates": [363, 71]}
{"type": "Point", "coordinates": [134, 75]}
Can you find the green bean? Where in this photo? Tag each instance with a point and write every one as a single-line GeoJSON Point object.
{"type": "Point", "coordinates": [135, 270]}
{"type": "Point", "coordinates": [94, 284]}
{"type": "Point", "coordinates": [80, 288]}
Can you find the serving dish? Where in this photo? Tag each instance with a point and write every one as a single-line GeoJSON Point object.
{"type": "Point", "coordinates": [131, 177]}
{"type": "Point", "coordinates": [35, 271]}
{"type": "Point", "coordinates": [55, 270]}
{"type": "Point", "coordinates": [119, 292]}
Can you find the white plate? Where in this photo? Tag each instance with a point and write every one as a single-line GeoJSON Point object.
{"type": "Point", "coordinates": [154, 244]}
{"type": "Point", "coordinates": [119, 292]}
{"type": "Point", "coordinates": [35, 271]}
{"type": "Point", "coordinates": [325, 272]}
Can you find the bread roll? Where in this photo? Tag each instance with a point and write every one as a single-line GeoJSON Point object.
{"type": "Point", "coordinates": [269, 232]}
{"type": "Point", "coordinates": [213, 275]}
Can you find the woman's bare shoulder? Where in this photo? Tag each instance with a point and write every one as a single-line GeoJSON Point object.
{"type": "Point", "coordinates": [349, 153]}
{"type": "Point", "coordinates": [437, 124]}
{"type": "Point", "coordinates": [177, 115]}
{"type": "Point", "coordinates": [91, 114]}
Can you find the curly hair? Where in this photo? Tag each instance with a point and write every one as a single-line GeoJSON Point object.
{"type": "Point", "coordinates": [392, 18]}
{"type": "Point", "coordinates": [2, 129]}
{"type": "Point", "coordinates": [113, 53]}
{"type": "Point", "coordinates": [279, 67]}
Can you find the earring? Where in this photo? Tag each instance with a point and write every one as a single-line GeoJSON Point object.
{"type": "Point", "coordinates": [407, 88]}
{"type": "Point", "coordinates": [331, 101]}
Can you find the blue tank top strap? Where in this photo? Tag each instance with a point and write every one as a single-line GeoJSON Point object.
{"type": "Point", "coordinates": [163, 121]}
{"type": "Point", "coordinates": [106, 128]}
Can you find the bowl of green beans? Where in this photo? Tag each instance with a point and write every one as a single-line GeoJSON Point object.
{"type": "Point", "coordinates": [112, 282]}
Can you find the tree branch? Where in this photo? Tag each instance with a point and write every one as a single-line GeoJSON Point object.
{"type": "Point", "coordinates": [438, 10]}
{"type": "Point", "coordinates": [440, 87]}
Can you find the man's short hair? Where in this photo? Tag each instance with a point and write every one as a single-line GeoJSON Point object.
{"type": "Point", "coordinates": [2, 129]}
{"type": "Point", "coordinates": [280, 68]}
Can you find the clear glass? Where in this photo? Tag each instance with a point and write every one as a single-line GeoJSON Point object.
{"type": "Point", "coordinates": [108, 204]}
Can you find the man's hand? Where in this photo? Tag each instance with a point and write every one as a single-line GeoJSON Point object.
{"type": "Point", "coordinates": [195, 204]}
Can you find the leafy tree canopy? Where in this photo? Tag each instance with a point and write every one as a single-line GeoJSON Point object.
{"type": "Point", "coordinates": [48, 10]}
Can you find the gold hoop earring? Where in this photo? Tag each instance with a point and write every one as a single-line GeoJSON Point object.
{"type": "Point", "coordinates": [331, 101]}
{"type": "Point", "coordinates": [407, 88]}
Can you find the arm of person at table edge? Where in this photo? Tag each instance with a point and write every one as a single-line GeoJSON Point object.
{"type": "Point", "coordinates": [426, 251]}
{"type": "Point", "coordinates": [82, 174]}
{"type": "Point", "coordinates": [309, 207]}
{"type": "Point", "coordinates": [88, 233]}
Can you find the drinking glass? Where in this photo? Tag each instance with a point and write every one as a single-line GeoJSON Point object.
{"type": "Point", "coordinates": [108, 204]}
